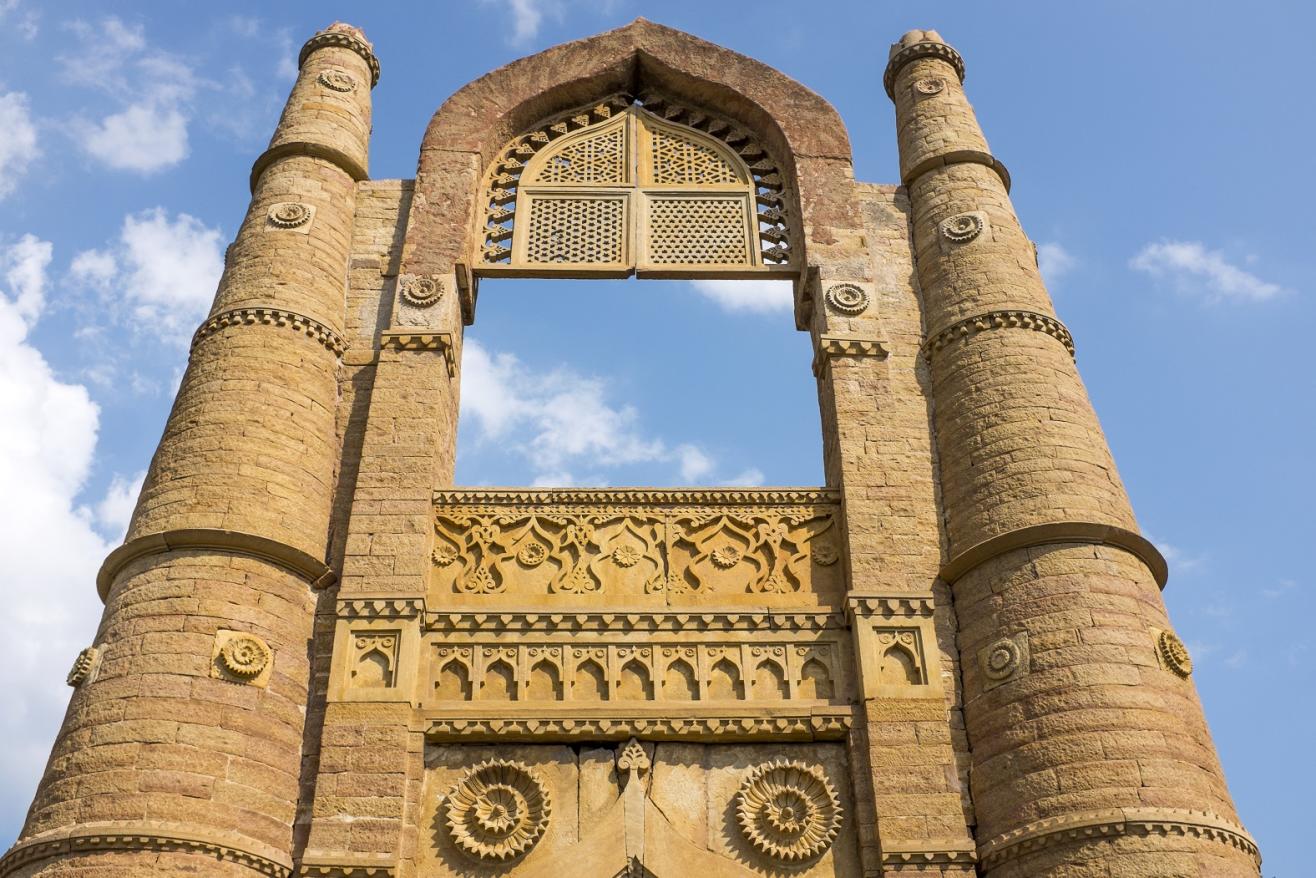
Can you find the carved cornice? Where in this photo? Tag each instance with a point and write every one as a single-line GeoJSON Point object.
{"type": "Point", "coordinates": [918, 854]}
{"type": "Point", "coordinates": [343, 40]}
{"type": "Point", "coordinates": [830, 346]}
{"type": "Point", "coordinates": [346, 865]}
{"type": "Point", "coordinates": [777, 724]}
{"type": "Point", "coordinates": [957, 157]}
{"type": "Point", "coordinates": [1115, 823]}
{"type": "Point", "coordinates": [611, 497]}
{"type": "Point", "coordinates": [920, 50]}
{"type": "Point", "coordinates": [309, 149]}
{"type": "Point", "coordinates": [313, 329]}
{"type": "Point", "coordinates": [155, 837]}
{"type": "Point", "coordinates": [891, 605]}
{"type": "Point", "coordinates": [313, 570]}
{"type": "Point", "coordinates": [421, 340]}
{"type": "Point", "coordinates": [999, 320]}
{"type": "Point", "coordinates": [380, 608]}
{"type": "Point", "coordinates": [1059, 532]}
{"type": "Point", "coordinates": [642, 622]}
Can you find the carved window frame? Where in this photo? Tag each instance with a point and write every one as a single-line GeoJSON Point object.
{"type": "Point", "coordinates": [511, 192]}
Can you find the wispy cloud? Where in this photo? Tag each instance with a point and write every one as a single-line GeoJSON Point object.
{"type": "Point", "coordinates": [1054, 261]}
{"type": "Point", "coordinates": [1283, 588]}
{"type": "Point", "coordinates": [761, 296]}
{"type": "Point", "coordinates": [18, 140]}
{"type": "Point", "coordinates": [1180, 561]}
{"type": "Point", "coordinates": [15, 17]}
{"type": "Point", "coordinates": [1195, 270]}
{"type": "Point", "coordinates": [564, 423]}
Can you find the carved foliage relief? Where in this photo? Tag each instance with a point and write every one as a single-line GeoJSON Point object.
{"type": "Point", "coordinates": [671, 546]}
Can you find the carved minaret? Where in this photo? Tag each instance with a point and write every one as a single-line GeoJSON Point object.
{"type": "Point", "coordinates": [1088, 741]}
{"type": "Point", "coordinates": [181, 750]}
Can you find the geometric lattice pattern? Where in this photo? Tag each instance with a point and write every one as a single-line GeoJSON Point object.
{"type": "Point", "coordinates": [699, 231]}
{"type": "Point", "coordinates": [679, 159]}
{"type": "Point", "coordinates": [581, 230]}
{"type": "Point", "coordinates": [597, 159]}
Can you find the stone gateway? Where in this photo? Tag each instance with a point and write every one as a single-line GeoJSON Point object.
{"type": "Point", "coordinates": [319, 657]}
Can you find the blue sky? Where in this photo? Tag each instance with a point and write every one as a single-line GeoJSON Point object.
{"type": "Point", "coordinates": [1159, 156]}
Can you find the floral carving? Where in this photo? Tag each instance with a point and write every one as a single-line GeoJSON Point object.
{"type": "Point", "coordinates": [847, 299]}
{"type": "Point", "coordinates": [83, 666]}
{"type": "Point", "coordinates": [531, 554]}
{"type": "Point", "coordinates": [825, 553]}
{"type": "Point", "coordinates": [625, 556]}
{"type": "Point", "coordinates": [335, 79]}
{"type": "Point", "coordinates": [962, 228]}
{"type": "Point", "coordinates": [932, 86]}
{"type": "Point", "coordinates": [244, 656]}
{"type": "Point", "coordinates": [1001, 659]}
{"type": "Point", "coordinates": [633, 758]}
{"type": "Point", "coordinates": [289, 215]}
{"type": "Point", "coordinates": [725, 556]}
{"type": "Point", "coordinates": [788, 810]}
{"type": "Point", "coordinates": [420, 291]}
{"type": "Point", "coordinates": [1174, 655]}
{"type": "Point", "coordinates": [443, 557]}
{"type": "Point", "coordinates": [498, 811]}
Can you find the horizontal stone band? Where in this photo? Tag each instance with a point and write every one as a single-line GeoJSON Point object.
{"type": "Point", "coordinates": [1054, 533]}
{"type": "Point", "coordinates": [1117, 822]}
{"type": "Point", "coordinates": [307, 149]}
{"type": "Point", "coordinates": [778, 725]}
{"type": "Point", "coordinates": [272, 317]}
{"type": "Point", "coordinates": [628, 622]}
{"type": "Point", "coordinates": [918, 854]}
{"type": "Point", "coordinates": [313, 570]}
{"type": "Point", "coordinates": [635, 496]}
{"type": "Point", "coordinates": [999, 320]}
{"type": "Point", "coordinates": [830, 346]}
{"type": "Point", "coordinates": [92, 837]}
{"type": "Point", "coordinates": [421, 340]}
{"type": "Point", "coordinates": [341, 40]}
{"type": "Point", "coordinates": [958, 157]}
{"type": "Point", "coordinates": [920, 50]}
{"type": "Point", "coordinates": [345, 866]}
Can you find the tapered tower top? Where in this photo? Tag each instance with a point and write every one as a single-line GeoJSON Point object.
{"type": "Point", "coordinates": [346, 36]}
{"type": "Point", "coordinates": [919, 44]}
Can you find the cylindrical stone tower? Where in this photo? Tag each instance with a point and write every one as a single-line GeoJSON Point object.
{"type": "Point", "coordinates": [181, 750]}
{"type": "Point", "coordinates": [1088, 742]}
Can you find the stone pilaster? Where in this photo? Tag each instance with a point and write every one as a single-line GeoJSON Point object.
{"type": "Point", "coordinates": [182, 753]}
{"type": "Point", "coordinates": [1087, 745]}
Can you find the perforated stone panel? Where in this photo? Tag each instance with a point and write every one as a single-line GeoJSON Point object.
{"type": "Point", "coordinates": [700, 231]}
{"type": "Point", "coordinates": [597, 159]}
{"type": "Point", "coordinates": [576, 230]}
{"type": "Point", "coordinates": [678, 159]}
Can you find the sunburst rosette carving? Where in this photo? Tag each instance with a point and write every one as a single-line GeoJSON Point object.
{"type": "Point", "coordinates": [419, 290]}
{"type": "Point", "coordinates": [498, 811]}
{"type": "Point", "coordinates": [1174, 655]}
{"type": "Point", "coordinates": [847, 299]}
{"type": "Point", "coordinates": [962, 228]}
{"type": "Point", "coordinates": [244, 656]}
{"type": "Point", "coordinates": [289, 215]}
{"type": "Point", "coordinates": [788, 810]}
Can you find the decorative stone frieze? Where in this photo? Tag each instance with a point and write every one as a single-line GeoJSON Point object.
{"type": "Point", "coordinates": [832, 346]}
{"type": "Point", "coordinates": [691, 542]}
{"type": "Point", "coordinates": [421, 340]}
{"type": "Point", "coordinates": [991, 320]}
{"type": "Point", "coordinates": [313, 329]}
{"type": "Point", "coordinates": [420, 290]}
{"type": "Point", "coordinates": [788, 810]}
{"type": "Point", "coordinates": [290, 215]}
{"type": "Point", "coordinates": [1004, 659]}
{"type": "Point", "coordinates": [498, 811]}
{"type": "Point", "coordinates": [785, 724]}
{"type": "Point", "coordinates": [1172, 654]}
{"type": "Point", "coordinates": [84, 667]}
{"type": "Point", "coordinates": [345, 37]}
{"type": "Point", "coordinates": [240, 657]}
{"type": "Point", "coordinates": [623, 622]}
{"type": "Point", "coordinates": [848, 299]}
{"type": "Point", "coordinates": [963, 227]}
{"type": "Point", "coordinates": [337, 79]}
{"type": "Point", "coordinates": [154, 837]}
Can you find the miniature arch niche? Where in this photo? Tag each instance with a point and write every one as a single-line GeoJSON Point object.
{"type": "Point", "coordinates": [635, 185]}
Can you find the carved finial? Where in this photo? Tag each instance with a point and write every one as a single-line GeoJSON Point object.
{"type": "Point", "coordinates": [343, 36]}
{"type": "Point", "coordinates": [343, 27]}
{"type": "Point", "coordinates": [632, 758]}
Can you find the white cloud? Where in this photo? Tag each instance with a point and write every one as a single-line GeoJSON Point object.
{"type": "Point", "coordinates": [115, 509]}
{"type": "Point", "coordinates": [150, 132]}
{"type": "Point", "coordinates": [18, 140]}
{"type": "Point", "coordinates": [750, 478]}
{"type": "Point", "coordinates": [747, 295]}
{"type": "Point", "coordinates": [527, 15]}
{"type": "Point", "coordinates": [1194, 269]}
{"type": "Point", "coordinates": [51, 550]}
{"type": "Point", "coordinates": [561, 422]}
{"type": "Point", "coordinates": [1054, 261]}
{"type": "Point", "coordinates": [142, 138]}
{"type": "Point", "coordinates": [1179, 560]}
{"type": "Point", "coordinates": [162, 269]}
